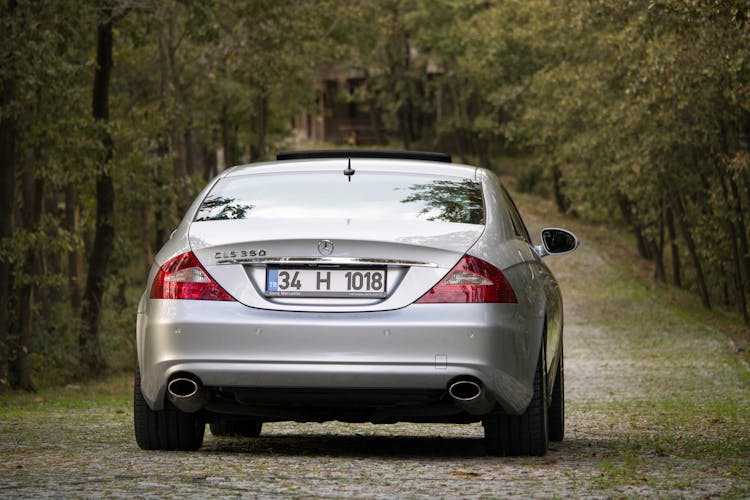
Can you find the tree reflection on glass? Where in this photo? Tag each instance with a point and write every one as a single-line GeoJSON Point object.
{"type": "Point", "coordinates": [223, 208]}
{"type": "Point", "coordinates": [449, 201]}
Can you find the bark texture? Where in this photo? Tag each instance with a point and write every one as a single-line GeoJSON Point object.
{"type": "Point", "coordinates": [91, 357]}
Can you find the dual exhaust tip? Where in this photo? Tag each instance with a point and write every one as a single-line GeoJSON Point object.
{"type": "Point", "coordinates": [188, 395]}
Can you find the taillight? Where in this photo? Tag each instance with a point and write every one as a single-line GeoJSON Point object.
{"type": "Point", "coordinates": [183, 277]}
{"type": "Point", "coordinates": [471, 280]}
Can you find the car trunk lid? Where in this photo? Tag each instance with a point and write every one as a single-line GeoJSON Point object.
{"type": "Point", "coordinates": [406, 259]}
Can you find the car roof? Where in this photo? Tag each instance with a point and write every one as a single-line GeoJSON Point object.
{"type": "Point", "coordinates": [394, 165]}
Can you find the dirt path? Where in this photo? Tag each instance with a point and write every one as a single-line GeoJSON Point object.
{"type": "Point", "coordinates": [657, 406]}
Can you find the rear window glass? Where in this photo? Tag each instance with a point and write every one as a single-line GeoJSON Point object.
{"type": "Point", "coordinates": [330, 195]}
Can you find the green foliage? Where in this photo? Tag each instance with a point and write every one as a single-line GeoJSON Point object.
{"type": "Point", "coordinates": [640, 108]}
{"type": "Point", "coordinates": [530, 179]}
{"type": "Point", "coordinates": [189, 79]}
{"type": "Point", "coordinates": [637, 112]}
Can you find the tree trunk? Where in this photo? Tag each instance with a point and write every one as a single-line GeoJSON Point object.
{"type": "Point", "coordinates": [148, 252]}
{"type": "Point", "coordinates": [560, 200]}
{"type": "Point", "coordinates": [675, 250]}
{"type": "Point", "coordinates": [375, 121]}
{"type": "Point", "coordinates": [226, 136]}
{"type": "Point", "coordinates": [8, 138]}
{"type": "Point", "coordinates": [261, 111]}
{"type": "Point", "coordinates": [738, 281]}
{"type": "Point", "coordinates": [33, 191]}
{"type": "Point", "coordinates": [483, 153]}
{"type": "Point", "coordinates": [179, 196]}
{"type": "Point", "coordinates": [209, 160]}
{"type": "Point", "coordinates": [164, 202]}
{"type": "Point", "coordinates": [687, 235]}
{"type": "Point", "coordinates": [171, 87]}
{"type": "Point", "coordinates": [657, 250]}
{"type": "Point", "coordinates": [742, 229]}
{"type": "Point", "coordinates": [92, 359]}
{"type": "Point", "coordinates": [160, 212]}
{"type": "Point", "coordinates": [403, 129]}
{"type": "Point", "coordinates": [644, 249]}
{"type": "Point", "coordinates": [189, 151]}
{"type": "Point", "coordinates": [736, 256]}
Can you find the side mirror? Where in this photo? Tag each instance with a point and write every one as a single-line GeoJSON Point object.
{"type": "Point", "coordinates": [556, 242]}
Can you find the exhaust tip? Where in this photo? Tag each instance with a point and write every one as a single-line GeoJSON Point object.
{"type": "Point", "coordinates": [470, 396]}
{"type": "Point", "coordinates": [465, 390]}
{"type": "Point", "coordinates": [182, 387]}
{"type": "Point", "coordinates": [186, 394]}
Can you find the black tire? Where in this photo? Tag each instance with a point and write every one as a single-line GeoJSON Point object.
{"type": "Point", "coordinates": [557, 405]}
{"type": "Point", "coordinates": [167, 429]}
{"type": "Point", "coordinates": [245, 428]}
{"type": "Point", "coordinates": [515, 435]}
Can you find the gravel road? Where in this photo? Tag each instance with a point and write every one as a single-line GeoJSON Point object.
{"type": "Point", "coordinates": [657, 411]}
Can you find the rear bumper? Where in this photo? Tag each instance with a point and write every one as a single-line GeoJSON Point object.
{"type": "Point", "coordinates": [423, 347]}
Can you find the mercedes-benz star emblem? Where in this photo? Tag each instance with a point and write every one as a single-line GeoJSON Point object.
{"type": "Point", "coordinates": [325, 247]}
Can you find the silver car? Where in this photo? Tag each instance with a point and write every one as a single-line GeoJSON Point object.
{"type": "Point", "coordinates": [360, 286]}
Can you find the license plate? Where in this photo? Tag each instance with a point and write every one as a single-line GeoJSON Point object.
{"type": "Point", "coordinates": [353, 283]}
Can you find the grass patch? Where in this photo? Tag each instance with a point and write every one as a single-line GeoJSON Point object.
{"type": "Point", "coordinates": [114, 390]}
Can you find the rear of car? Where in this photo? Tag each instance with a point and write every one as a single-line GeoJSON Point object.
{"type": "Point", "coordinates": [354, 289]}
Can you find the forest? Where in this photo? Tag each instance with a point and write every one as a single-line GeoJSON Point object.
{"type": "Point", "coordinates": [114, 113]}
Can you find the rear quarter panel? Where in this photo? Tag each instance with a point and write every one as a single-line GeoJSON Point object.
{"type": "Point", "coordinates": [521, 266]}
{"type": "Point", "coordinates": [529, 276]}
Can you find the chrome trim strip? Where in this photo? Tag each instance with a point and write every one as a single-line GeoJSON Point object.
{"type": "Point", "coordinates": [324, 260]}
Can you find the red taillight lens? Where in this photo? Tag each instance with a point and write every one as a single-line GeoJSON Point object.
{"type": "Point", "coordinates": [183, 277]}
{"type": "Point", "coordinates": [471, 280]}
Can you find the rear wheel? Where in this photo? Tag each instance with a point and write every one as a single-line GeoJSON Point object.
{"type": "Point", "coordinates": [557, 406]}
{"type": "Point", "coordinates": [167, 429]}
{"type": "Point", "coordinates": [245, 428]}
{"type": "Point", "coordinates": [522, 434]}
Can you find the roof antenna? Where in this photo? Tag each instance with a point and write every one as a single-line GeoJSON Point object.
{"type": "Point", "coordinates": [349, 171]}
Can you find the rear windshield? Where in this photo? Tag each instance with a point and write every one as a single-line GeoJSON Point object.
{"type": "Point", "coordinates": [369, 195]}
